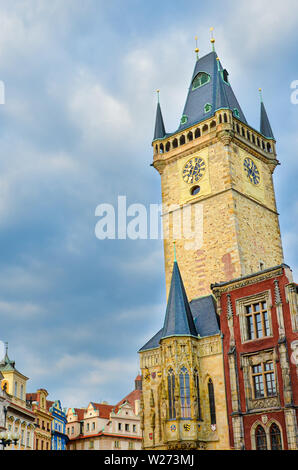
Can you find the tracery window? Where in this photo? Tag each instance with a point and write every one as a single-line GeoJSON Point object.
{"type": "Point", "coordinates": [275, 437]}
{"type": "Point", "coordinates": [197, 385]}
{"type": "Point", "coordinates": [184, 393]}
{"type": "Point", "coordinates": [261, 441]}
{"type": "Point", "coordinates": [171, 394]}
{"type": "Point", "coordinates": [211, 402]}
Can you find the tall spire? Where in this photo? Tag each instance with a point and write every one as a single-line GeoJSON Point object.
{"type": "Point", "coordinates": [265, 127]}
{"type": "Point", "coordinates": [178, 320]}
{"type": "Point", "coordinates": [159, 131]}
{"type": "Point", "coordinates": [209, 90]}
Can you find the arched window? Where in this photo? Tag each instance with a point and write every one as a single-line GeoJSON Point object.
{"type": "Point", "coordinates": [182, 140]}
{"type": "Point", "coordinates": [161, 149]}
{"type": "Point", "coordinates": [275, 437]}
{"type": "Point", "coordinates": [189, 136]}
{"type": "Point", "coordinates": [238, 128]}
{"type": "Point", "coordinates": [197, 385]}
{"type": "Point", "coordinates": [197, 133]}
{"type": "Point", "coordinates": [171, 393]}
{"type": "Point", "coordinates": [205, 128]}
{"type": "Point", "coordinates": [220, 119]}
{"type": "Point", "coordinates": [184, 393]}
{"type": "Point", "coordinates": [225, 118]}
{"type": "Point", "coordinates": [200, 79]}
{"type": "Point", "coordinates": [175, 143]}
{"type": "Point", "coordinates": [211, 402]}
{"type": "Point", "coordinates": [213, 124]}
{"type": "Point", "coordinates": [268, 148]}
{"type": "Point", "coordinates": [261, 441]}
{"type": "Point", "coordinates": [168, 146]}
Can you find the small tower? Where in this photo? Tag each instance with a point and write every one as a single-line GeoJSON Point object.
{"type": "Point", "coordinates": [182, 369]}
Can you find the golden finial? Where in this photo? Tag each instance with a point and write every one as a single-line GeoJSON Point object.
{"type": "Point", "coordinates": [197, 49]}
{"type": "Point", "coordinates": [212, 40]}
{"type": "Point", "coordinates": [261, 96]}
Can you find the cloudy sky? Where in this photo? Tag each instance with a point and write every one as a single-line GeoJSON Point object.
{"type": "Point", "coordinates": [75, 131]}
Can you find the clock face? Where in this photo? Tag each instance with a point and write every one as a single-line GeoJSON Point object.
{"type": "Point", "coordinates": [251, 171]}
{"type": "Point", "coordinates": [193, 170]}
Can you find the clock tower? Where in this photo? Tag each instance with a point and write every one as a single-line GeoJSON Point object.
{"type": "Point", "coordinates": [216, 172]}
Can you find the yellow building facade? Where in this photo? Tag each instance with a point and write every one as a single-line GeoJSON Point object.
{"type": "Point", "coordinates": [44, 418]}
{"type": "Point", "coordinates": [219, 211]}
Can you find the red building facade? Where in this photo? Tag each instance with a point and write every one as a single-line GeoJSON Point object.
{"type": "Point", "coordinates": [259, 323]}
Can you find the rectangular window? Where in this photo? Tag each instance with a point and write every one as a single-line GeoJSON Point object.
{"type": "Point", "coordinates": [257, 321]}
{"type": "Point", "coordinates": [117, 445]}
{"type": "Point", "coordinates": [131, 445]}
{"type": "Point", "coordinates": [93, 425]}
{"type": "Point", "coordinates": [127, 427]}
{"type": "Point", "coordinates": [134, 428]}
{"type": "Point", "coordinates": [87, 429]}
{"type": "Point", "coordinates": [264, 380]}
{"type": "Point", "coordinates": [119, 426]}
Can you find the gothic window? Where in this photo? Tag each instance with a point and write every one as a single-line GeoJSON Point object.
{"type": "Point", "coordinates": [182, 140]}
{"type": "Point", "coordinates": [275, 437]}
{"type": "Point", "coordinates": [171, 394]}
{"type": "Point", "coordinates": [197, 385]}
{"type": "Point", "coordinates": [197, 133]}
{"type": "Point", "coordinates": [211, 402]}
{"type": "Point", "coordinates": [263, 377]}
{"type": "Point", "coordinates": [184, 393]}
{"type": "Point", "coordinates": [161, 148]}
{"type": "Point", "coordinates": [175, 143]}
{"type": "Point", "coordinates": [261, 441]}
{"type": "Point", "coordinates": [257, 321]}
{"type": "Point", "coordinates": [189, 136]}
{"type": "Point", "coordinates": [168, 146]}
{"type": "Point", "coordinates": [200, 79]}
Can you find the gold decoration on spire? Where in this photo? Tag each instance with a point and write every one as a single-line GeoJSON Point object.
{"type": "Point", "coordinates": [212, 40]}
{"type": "Point", "coordinates": [197, 50]}
{"type": "Point", "coordinates": [157, 91]}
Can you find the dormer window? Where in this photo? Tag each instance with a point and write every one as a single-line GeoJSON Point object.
{"type": "Point", "coordinates": [200, 79]}
{"type": "Point", "coordinates": [207, 108]}
{"type": "Point", "coordinates": [184, 119]}
{"type": "Point", "coordinates": [225, 75]}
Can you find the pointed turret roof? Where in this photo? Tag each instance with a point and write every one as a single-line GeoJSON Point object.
{"type": "Point", "coordinates": [215, 91]}
{"type": "Point", "coordinates": [6, 364]}
{"type": "Point", "coordinates": [265, 127]}
{"type": "Point", "coordinates": [178, 320]}
{"type": "Point", "coordinates": [159, 131]}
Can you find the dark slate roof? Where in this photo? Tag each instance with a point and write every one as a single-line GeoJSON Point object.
{"type": "Point", "coordinates": [153, 342]}
{"type": "Point", "coordinates": [159, 131]}
{"type": "Point", "coordinates": [265, 127]}
{"type": "Point", "coordinates": [178, 320]}
{"type": "Point", "coordinates": [205, 317]}
{"type": "Point", "coordinates": [217, 92]}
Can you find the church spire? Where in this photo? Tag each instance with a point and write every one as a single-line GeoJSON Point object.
{"type": "Point", "coordinates": [159, 131]}
{"type": "Point", "coordinates": [178, 319]}
{"type": "Point", "coordinates": [265, 127]}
